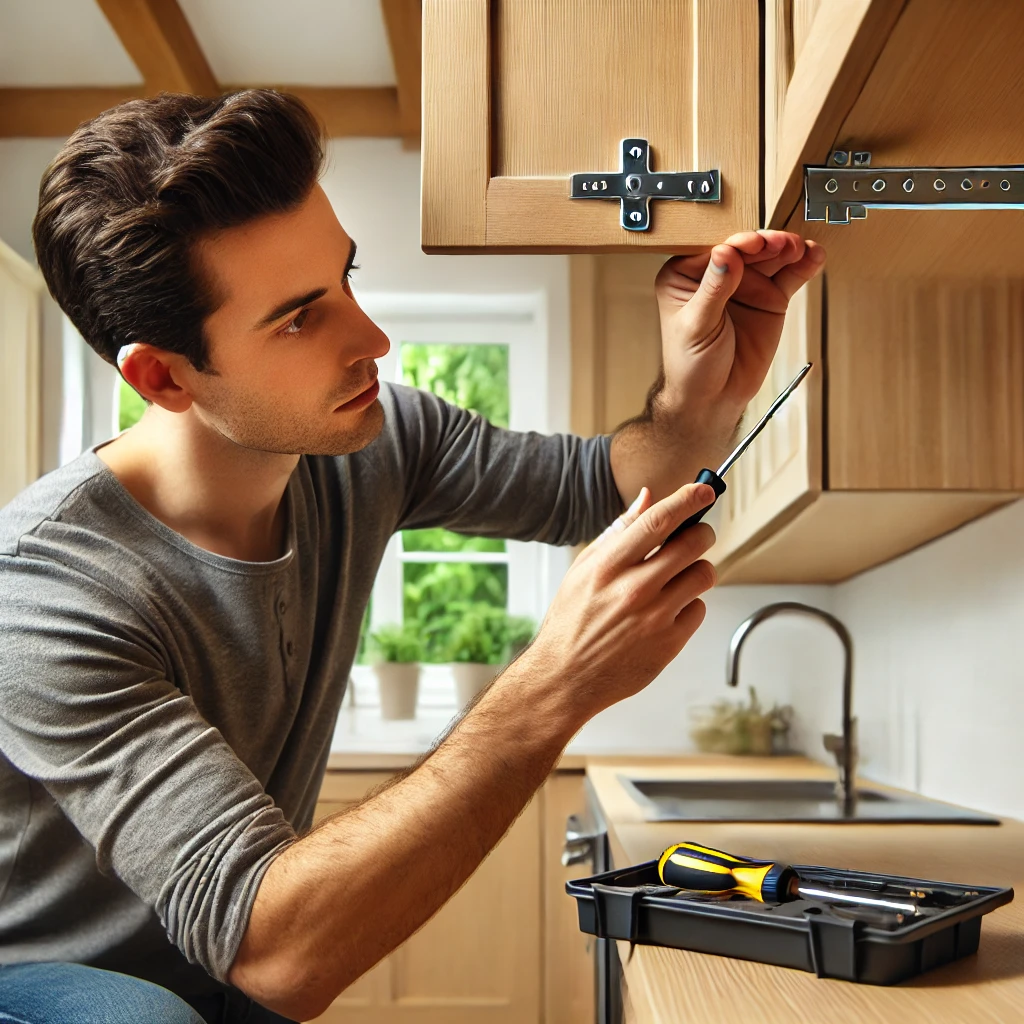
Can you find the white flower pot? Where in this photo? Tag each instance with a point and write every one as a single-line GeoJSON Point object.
{"type": "Point", "coordinates": [470, 678]}
{"type": "Point", "coordinates": [399, 683]}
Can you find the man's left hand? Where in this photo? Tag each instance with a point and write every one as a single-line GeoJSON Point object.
{"type": "Point", "coordinates": [721, 319]}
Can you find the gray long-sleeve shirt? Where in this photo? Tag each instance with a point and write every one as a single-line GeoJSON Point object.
{"type": "Point", "coordinates": [166, 713]}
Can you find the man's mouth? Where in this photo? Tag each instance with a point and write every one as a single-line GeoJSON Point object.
{"type": "Point", "coordinates": [363, 399]}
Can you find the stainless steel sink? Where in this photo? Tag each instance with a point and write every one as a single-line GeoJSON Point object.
{"type": "Point", "coordinates": [786, 800]}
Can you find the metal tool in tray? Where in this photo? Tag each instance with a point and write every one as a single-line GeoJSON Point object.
{"type": "Point", "coordinates": [829, 921]}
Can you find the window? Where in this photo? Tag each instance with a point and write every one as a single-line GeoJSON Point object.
{"type": "Point", "coordinates": [130, 405]}
{"type": "Point", "coordinates": [444, 574]}
{"type": "Point", "coordinates": [487, 354]}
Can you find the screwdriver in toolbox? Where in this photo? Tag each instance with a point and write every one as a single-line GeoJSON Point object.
{"type": "Point", "coordinates": [714, 479]}
{"type": "Point", "coordinates": [697, 868]}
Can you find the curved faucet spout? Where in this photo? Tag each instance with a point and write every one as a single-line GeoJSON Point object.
{"type": "Point", "coordinates": [845, 748]}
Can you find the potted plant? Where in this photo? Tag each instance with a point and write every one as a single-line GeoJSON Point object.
{"type": "Point", "coordinates": [737, 728]}
{"type": "Point", "coordinates": [396, 651]}
{"type": "Point", "coordinates": [476, 648]}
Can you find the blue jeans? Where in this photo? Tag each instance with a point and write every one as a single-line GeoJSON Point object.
{"type": "Point", "coordinates": [59, 993]}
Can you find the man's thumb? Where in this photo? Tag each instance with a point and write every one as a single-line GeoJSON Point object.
{"type": "Point", "coordinates": [721, 278]}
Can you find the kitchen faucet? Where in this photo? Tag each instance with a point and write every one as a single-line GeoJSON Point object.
{"type": "Point", "coordinates": [844, 747]}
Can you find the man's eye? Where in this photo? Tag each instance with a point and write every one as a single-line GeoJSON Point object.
{"type": "Point", "coordinates": [294, 326]}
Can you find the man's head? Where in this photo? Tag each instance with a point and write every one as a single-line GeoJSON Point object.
{"type": "Point", "coordinates": [190, 236]}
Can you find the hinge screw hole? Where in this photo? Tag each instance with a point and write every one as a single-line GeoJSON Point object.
{"type": "Point", "coordinates": [1004, 185]}
{"type": "Point", "coordinates": [939, 184]}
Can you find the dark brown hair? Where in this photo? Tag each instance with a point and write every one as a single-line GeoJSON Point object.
{"type": "Point", "coordinates": [131, 192]}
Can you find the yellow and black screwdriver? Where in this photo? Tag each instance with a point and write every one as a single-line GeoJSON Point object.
{"type": "Point", "coordinates": [700, 869]}
{"type": "Point", "coordinates": [713, 478]}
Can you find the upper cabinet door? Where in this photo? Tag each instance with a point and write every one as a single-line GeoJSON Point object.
{"type": "Point", "coordinates": [519, 95]}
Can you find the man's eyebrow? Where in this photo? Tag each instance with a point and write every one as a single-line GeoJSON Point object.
{"type": "Point", "coordinates": [283, 308]}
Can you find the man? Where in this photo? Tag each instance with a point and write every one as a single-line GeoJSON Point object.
{"type": "Point", "coordinates": [180, 607]}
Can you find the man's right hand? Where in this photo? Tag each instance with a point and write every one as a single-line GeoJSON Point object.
{"type": "Point", "coordinates": [619, 616]}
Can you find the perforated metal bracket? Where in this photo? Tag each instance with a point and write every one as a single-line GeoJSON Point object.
{"type": "Point", "coordinates": [847, 186]}
{"type": "Point", "coordinates": [635, 185]}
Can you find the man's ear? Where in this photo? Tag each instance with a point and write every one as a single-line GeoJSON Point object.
{"type": "Point", "coordinates": [156, 374]}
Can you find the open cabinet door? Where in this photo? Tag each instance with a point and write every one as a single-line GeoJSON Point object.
{"type": "Point", "coordinates": [519, 95]}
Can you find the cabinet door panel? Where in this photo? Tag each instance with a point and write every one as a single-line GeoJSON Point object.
{"type": "Point", "coordinates": [781, 472]}
{"type": "Point", "coordinates": [520, 94]}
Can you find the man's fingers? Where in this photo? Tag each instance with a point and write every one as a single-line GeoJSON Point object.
{"type": "Point", "coordinates": [722, 277]}
{"type": "Point", "coordinates": [688, 621]}
{"type": "Point", "coordinates": [791, 252]}
{"type": "Point", "coordinates": [653, 527]}
{"type": "Point", "coordinates": [641, 503]}
{"type": "Point", "coordinates": [789, 280]}
{"type": "Point", "coordinates": [694, 580]}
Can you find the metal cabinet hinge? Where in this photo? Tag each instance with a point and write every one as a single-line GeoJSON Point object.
{"type": "Point", "coordinates": [843, 190]}
{"type": "Point", "coordinates": [635, 185]}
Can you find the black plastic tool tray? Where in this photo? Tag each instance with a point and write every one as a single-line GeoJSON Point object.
{"type": "Point", "coordinates": [803, 934]}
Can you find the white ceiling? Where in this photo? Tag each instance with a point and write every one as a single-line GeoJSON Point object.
{"type": "Point", "coordinates": [287, 42]}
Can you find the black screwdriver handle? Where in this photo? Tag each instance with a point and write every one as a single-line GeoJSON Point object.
{"type": "Point", "coordinates": [705, 476]}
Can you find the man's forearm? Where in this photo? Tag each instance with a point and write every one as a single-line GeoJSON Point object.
{"type": "Point", "coordinates": [669, 443]}
{"type": "Point", "coordinates": [340, 899]}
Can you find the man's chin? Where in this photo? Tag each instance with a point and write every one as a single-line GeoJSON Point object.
{"type": "Point", "coordinates": [365, 430]}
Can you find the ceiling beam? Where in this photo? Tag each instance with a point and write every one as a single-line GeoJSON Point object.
{"type": "Point", "coordinates": [162, 45]}
{"type": "Point", "coordinates": [403, 19]}
{"type": "Point", "coordinates": [55, 113]}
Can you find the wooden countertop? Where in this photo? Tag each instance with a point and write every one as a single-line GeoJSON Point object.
{"type": "Point", "coordinates": [666, 986]}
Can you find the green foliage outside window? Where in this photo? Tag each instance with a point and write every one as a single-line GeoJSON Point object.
{"type": "Point", "coordinates": [130, 406]}
{"type": "Point", "coordinates": [474, 377]}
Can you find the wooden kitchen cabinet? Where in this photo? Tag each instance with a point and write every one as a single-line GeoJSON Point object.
{"type": "Point", "coordinates": [917, 83]}
{"type": "Point", "coordinates": [520, 94]}
{"type": "Point", "coordinates": [910, 424]}
{"type": "Point", "coordinates": [504, 949]}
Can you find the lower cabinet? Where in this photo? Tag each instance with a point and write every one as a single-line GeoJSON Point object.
{"type": "Point", "coordinates": [504, 950]}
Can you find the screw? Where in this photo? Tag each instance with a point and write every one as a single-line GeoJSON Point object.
{"type": "Point", "coordinates": [636, 215]}
{"type": "Point", "coordinates": [861, 159]}
{"type": "Point", "coordinates": [839, 158]}
{"type": "Point", "coordinates": [632, 183]}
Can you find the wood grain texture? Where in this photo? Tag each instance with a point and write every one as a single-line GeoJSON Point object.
{"type": "Point", "coordinates": [162, 45]}
{"type": "Point", "coordinates": [833, 55]}
{"type": "Point", "coordinates": [841, 533]}
{"type": "Point", "coordinates": [55, 112]}
{"type": "Point", "coordinates": [946, 90]}
{"type": "Point", "coordinates": [456, 124]}
{"type": "Point", "coordinates": [570, 80]}
{"type": "Point", "coordinates": [403, 20]}
{"type": "Point", "coordinates": [668, 985]}
{"type": "Point", "coordinates": [781, 472]}
{"type": "Point", "coordinates": [568, 953]}
{"type": "Point", "coordinates": [925, 385]}
{"type": "Point", "coordinates": [616, 337]}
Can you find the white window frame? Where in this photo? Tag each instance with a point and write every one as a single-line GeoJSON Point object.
{"type": "Point", "coordinates": [518, 321]}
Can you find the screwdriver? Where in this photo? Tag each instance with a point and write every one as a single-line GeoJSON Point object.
{"type": "Point", "coordinates": [697, 868]}
{"type": "Point", "coordinates": [709, 476]}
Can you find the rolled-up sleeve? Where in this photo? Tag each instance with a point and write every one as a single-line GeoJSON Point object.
{"type": "Point", "coordinates": [86, 709]}
{"type": "Point", "coordinates": [464, 473]}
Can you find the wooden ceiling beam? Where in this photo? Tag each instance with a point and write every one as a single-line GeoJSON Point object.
{"type": "Point", "coordinates": [55, 112]}
{"type": "Point", "coordinates": [347, 111]}
{"type": "Point", "coordinates": [403, 19]}
{"type": "Point", "coordinates": [162, 45]}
